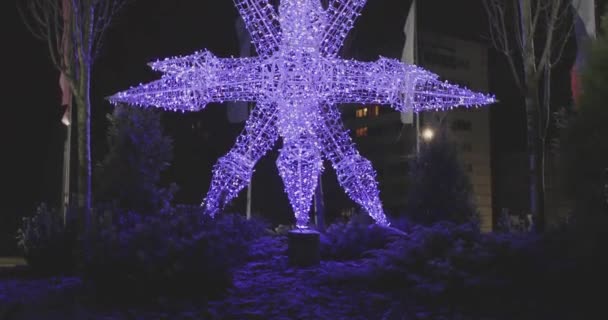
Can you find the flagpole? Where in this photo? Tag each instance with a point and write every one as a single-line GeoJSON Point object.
{"type": "Point", "coordinates": [250, 185]}
{"type": "Point", "coordinates": [417, 133]}
{"type": "Point", "coordinates": [66, 100]}
{"type": "Point", "coordinates": [410, 56]}
{"type": "Point", "coordinates": [248, 209]}
{"type": "Point", "coordinates": [65, 196]}
{"type": "Point", "coordinates": [415, 57]}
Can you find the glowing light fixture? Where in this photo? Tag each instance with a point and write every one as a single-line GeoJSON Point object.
{"type": "Point", "coordinates": [428, 134]}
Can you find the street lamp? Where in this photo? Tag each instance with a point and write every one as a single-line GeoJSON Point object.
{"type": "Point", "coordinates": [428, 134]}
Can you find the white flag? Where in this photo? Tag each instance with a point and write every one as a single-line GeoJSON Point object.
{"type": "Point", "coordinates": [585, 14]}
{"type": "Point", "coordinates": [409, 52]}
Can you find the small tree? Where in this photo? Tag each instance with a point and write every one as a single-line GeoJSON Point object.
{"type": "Point", "coordinates": [584, 149]}
{"type": "Point", "coordinates": [532, 35]}
{"type": "Point", "coordinates": [138, 152]}
{"type": "Point", "coordinates": [74, 32]}
{"type": "Point", "coordinates": [439, 188]}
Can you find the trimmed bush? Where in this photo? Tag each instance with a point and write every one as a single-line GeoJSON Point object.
{"type": "Point", "coordinates": [47, 244]}
{"type": "Point", "coordinates": [351, 240]}
{"type": "Point", "coordinates": [484, 275]}
{"type": "Point", "coordinates": [182, 253]}
{"type": "Point", "coordinates": [439, 187]}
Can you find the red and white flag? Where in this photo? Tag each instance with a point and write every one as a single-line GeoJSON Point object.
{"type": "Point", "coordinates": [64, 83]}
{"type": "Point", "coordinates": [585, 30]}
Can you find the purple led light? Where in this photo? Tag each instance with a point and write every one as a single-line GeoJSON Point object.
{"type": "Point", "coordinates": [296, 81]}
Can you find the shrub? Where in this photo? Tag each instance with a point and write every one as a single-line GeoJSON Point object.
{"type": "Point", "coordinates": [454, 267]}
{"type": "Point", "coordinates": [178, 253]}
{"type": "Point", "coordinates": [139, 152]}
{"type": "Point", "coordinates": [351, 240]}
{"type": "Point", "coordinates": [484, 275]}
{"type": "Point", "coordinates": [439, 188]}
{"type": "Point", "coordinates": [47, 244]}
{"type": "Point", "coordinates": [583, 149]}
{"type": "Point", "coordinates": [444, 262]}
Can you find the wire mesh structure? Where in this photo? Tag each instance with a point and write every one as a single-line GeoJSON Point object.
{"type": "Point", "coordinates": [296, 80]}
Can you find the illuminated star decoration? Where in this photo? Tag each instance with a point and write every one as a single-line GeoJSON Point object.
{"type": "Point", "coordinates": [296, 81]}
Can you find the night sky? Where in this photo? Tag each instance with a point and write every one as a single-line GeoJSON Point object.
{"type": "Point", "coordinates": [152, 29]}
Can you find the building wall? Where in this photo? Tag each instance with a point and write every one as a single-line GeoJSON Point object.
{"type": "Point", "coordinates": [389, 144]}
{"type": "Point", "coordinates": [464, 63]}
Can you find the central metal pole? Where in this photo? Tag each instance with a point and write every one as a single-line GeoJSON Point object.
{"type": "Point", "coordinates": [417, 115]}
{"type": "Point", "coordinates": [248, 209]}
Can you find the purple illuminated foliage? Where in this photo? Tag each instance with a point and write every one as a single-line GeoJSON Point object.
{"type": "Point", "coordinates": [296, 80]}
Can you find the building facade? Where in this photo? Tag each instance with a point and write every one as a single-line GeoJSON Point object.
{"type": "Point", "coordinates": [383, 138]}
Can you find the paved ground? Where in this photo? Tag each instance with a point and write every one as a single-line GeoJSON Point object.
{"type": "Point", "coordinates": [10, 262]}
{"type": "Point", "coordinates": [268, 288]}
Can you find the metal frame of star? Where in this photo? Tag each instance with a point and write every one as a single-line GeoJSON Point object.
{"type": "Point", "coordinates": [296, 81]}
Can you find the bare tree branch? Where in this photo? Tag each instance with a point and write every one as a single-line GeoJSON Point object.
{"type": "Point", "coordinates": [53, 44]}
{"type": "Point", "coordinates": [491, 24]}
{"type": "Point", "coordinates": [535, 24]}
{"type": "Point", "coordinates": [77, 32]}
{"type": "Point", "coordinates": [70, 29]}
{"type": "Point", "coordinates": [516, 74]}
{"type": "Point", "coordinates": [546, 52]}
{"type": "Point", "coordinates": [494, 25]}
{"type": "Point", "coordinates": [504, 36]}
{"type": "Point", "coordinates": [104, 15]}
{"type": "Point", "coordinates": [537, 13]}
{"type": "Point", "coordinates": [499, 35]}
{"type": "Point", "coordinates": [519, 36]}
{"type": "Point", "coordinates": [563, 41]}
{"type": "Point", "coordinates": [37, 28]}
{"type": "Point", "coordinates": [42, 19]}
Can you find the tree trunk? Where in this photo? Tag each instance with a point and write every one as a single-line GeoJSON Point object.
{"type": "Point", "coordinates": [535, 155]}
{"type": "Point", "coordinates": [83, 103]}
{"type": "Point", "coordinates": [532, 101]}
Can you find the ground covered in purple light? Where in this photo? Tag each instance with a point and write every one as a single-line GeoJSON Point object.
{"type": "Point", "coordinates": [444, 271]}
{"type": "Point", "coordinates": [264, 288]}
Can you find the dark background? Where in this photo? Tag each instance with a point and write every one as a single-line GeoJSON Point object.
{"type": "Point", "coordinates": [152, 29]}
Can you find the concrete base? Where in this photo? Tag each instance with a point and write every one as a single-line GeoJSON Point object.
{"type": "Point", "coordinates": [303, 247]}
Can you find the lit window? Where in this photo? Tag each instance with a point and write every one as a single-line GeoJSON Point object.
{"type": "Point", "coordinates": [361, 113]}
{"type": "Point", "coordinates": [376, 111]}
{"type": "Point", "coordinates": [361, 132]}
